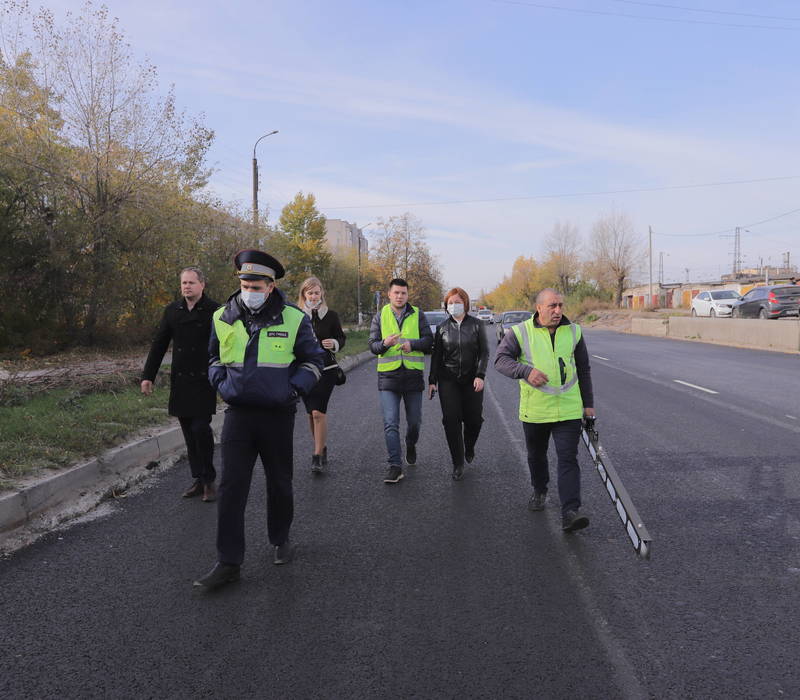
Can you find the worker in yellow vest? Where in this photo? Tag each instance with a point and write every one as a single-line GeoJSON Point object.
{"type": "Point", "coordinates": [263, 356]}
{"type": "Point", "coordinates": [400, 336]}
{"type": "Point", "coordinates": [548, 355]}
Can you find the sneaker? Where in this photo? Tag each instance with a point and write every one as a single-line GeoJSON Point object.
{"type": "Point", "coordinates": [572, 521]}
{"type": "Point", "coordinates": [218, 577]}
{"type": "Point", "coordinates": [196, 489]}
{"type": "Point", "coordinates": [411, 454]}
{"type": "Point", "coordinates": [284, 553]}
{"type": "Point", "coordinates": [316, 464]}
{"type": "Point", "coordinates": [469, 454]}
{"type": "Point", "coordinates": [458, 472]}
{"type": "Point", "coordinates": [393, 475]}
{"type": "Point", "coordinates": [537, 500]}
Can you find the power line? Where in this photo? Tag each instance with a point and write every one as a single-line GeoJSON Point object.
{"type": "Point", "coordinates": [726, 230]}
{"type": "Point", "coordinates": [708, 12]}
{"type": "Point", "coordinates": [668, 188]}
{"type": "Point", "coordinates": [672, 20]}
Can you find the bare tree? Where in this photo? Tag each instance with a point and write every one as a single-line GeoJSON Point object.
{"type": "Point", "coordinates": [616, 251]}
{"type": "Point", "coordinates": [562, 248]}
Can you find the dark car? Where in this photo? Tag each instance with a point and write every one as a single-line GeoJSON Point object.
{"type": "Point", "coordinates": [434, 318]}
{"type": "Point", "coordinates": [512, 318]}
{"type": "Point", "coordinates": [769, 302]}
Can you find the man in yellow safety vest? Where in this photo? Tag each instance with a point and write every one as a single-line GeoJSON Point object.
{"type": "Point", "coordinates": [548, 355]}
{"type": "Point", "coordinates": [400, 336]}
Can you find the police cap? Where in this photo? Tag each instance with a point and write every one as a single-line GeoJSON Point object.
{"type": "Point", "coordinates": [257, 265]}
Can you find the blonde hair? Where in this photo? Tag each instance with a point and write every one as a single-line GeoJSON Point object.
{"type": "Point", "coordinates": [308, 284]}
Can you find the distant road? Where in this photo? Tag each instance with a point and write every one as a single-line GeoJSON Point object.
{"type": "Point", "coordinates": [432, 588]}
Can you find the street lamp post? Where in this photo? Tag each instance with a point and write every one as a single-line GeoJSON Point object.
{"type": "Point", "coordinates": [255, 178]}
{"type": "Point", "coordinates": [358, 277]}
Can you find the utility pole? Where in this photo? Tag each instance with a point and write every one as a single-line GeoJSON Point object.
{"type": "Point", "coordinates": [255, 178]}
{"type": "Point", "coordinates": [650, 298]}
{"type": "Point", "coordinates": [687, 274]}
{"type": "Point", "coordinates": [737, 252]}
{"type": "Point", "coordinates": [661, 268]}
{"type": "Point", "coordinates": [358, 273]}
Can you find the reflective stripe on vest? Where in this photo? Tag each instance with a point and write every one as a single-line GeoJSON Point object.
{"type": "Point", "coordinates": [560, 398]}
{"type": "Point", "coordinates": [275, 343]}
{"type": "Point", "coordinates": [395, 356]}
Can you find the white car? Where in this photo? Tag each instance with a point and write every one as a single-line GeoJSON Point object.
{"type": "Point", "coordinates": [485, 315]}
{"type": "Point", "coordinates": [719, 303]}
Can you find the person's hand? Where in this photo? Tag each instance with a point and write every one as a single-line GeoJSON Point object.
{"type": "Point", "coordinates": [431, 390]}
{"type": "Point", "coordinates": [328, 344]}
{"type": "Point", "coordinates": [147, 387]}
{"type": "Point", "coordinates": [406, 346]}
{"type": "Point", "coordinates": [536, 378]}
{"type": "Point", "coordinates": [478, 384]}
{"type": "Point", "coordinates": [390, 340]}
{"type": "Point", "coordinates": [589, 412]}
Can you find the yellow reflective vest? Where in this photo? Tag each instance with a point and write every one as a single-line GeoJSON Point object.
{"type": "Point", "coordinates": [395, 356]}
{"type": "Point", "coordinates": [559, 399]}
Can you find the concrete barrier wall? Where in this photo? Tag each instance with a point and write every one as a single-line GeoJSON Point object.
{"type": "Point", "coordinates": [650, 326]}
{"type": "Point", "coordinates": [783, 335]}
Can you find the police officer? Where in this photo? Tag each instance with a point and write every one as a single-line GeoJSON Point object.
{"type": "Point", "coordinates": [187, 323]}
{"type": "Point", "coordinates": [263, 357]}
{"type": "Point", "coordinates": [548, 355]}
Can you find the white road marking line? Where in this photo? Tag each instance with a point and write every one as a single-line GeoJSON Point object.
{"type": "Point", "coordinates": [694, 386]}
{"type": "Point", "coordinates": [792, 417]}
{"type": "Point", "coordinates": [600, 358]}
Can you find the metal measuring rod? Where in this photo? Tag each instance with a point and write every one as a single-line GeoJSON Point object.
{"type": "Point", "coordinates": [632, 521]}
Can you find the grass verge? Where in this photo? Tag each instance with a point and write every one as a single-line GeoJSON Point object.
{"type": "Point", "coordinates": [58, 428]}
{"type": "Point", "coordinates": [356, 343]}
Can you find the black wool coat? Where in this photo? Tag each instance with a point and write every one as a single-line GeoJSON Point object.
{"type": "Point", "coordinates": [190, 393]}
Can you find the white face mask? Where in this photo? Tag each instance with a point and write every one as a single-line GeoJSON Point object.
{"type": "Point", "coordinates": [455, 309]}
{"type": "Point", "coordinates": [253, 300]}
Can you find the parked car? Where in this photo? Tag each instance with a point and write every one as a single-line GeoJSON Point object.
{"type": "Point", "coordinates": [716, 303]}
{"type": "Point", "coordinates": [512, 318]}
{"type": "Point", "coordinates": [485, 315]}
{"type": "Point", "coordinates": [772, 301]}
{"type": "Point", "coordinates": [435, 318]}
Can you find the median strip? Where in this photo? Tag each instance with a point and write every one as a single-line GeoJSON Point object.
{"type": "Point", "coordinates": [694, 386]}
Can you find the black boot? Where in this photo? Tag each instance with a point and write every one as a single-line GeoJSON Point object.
{"type": "Point", "coordinates": [218, 577]}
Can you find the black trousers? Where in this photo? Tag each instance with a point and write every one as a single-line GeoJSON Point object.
{"type": "Point", "coordinates": [246, 435]}
{"type": "Point", "coordinates": [462, 410]}
{"type": "Point", "coordinates": [565, 437]}
{"type": "Point", "coordinates": [199, 447]}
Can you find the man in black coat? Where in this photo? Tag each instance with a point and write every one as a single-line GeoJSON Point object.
{"type": "Point", "coordinates": [187, 323]}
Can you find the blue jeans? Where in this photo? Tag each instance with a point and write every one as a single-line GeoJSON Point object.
{"type": "Point", "coordinates": [390, 403]}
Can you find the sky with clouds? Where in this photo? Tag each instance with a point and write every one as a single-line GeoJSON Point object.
{"type": "Point", "coordinates": [492, 120]}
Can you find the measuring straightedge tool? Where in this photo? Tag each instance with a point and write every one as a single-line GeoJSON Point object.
{"type": "Point", "coordinates": [618, 494]}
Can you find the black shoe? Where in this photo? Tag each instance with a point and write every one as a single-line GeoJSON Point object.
{"type": "Point", "coordinates": [458, 472]}
{"type": "Point", "coordinates": [218, 576]}
{"type": "Point", "coordinates": [324, 456]}
{"type": "Point", "coordinates": [537, 500]}
{"type": "Point", "coordinates": [393, 475]}
{"type": "Point", "coordinates": [469, 454]}
{"type": "Point", "coordinates": [411, 454]}
{"type": "Point", "coordinates": [316, 464]}
{"type": "Point", "coordinates": [284, 553]}
{"type": "Point", "coordinates": [572, 521]}
{"type": "Point", "coordinates": [196, 489]}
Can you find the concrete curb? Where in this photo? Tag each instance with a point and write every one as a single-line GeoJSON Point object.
{"type": "Point", "coordinates": [113, 471]}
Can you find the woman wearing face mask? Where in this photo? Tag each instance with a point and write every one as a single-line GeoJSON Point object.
{"type": "Point", "coordinates": [458, 368]}
{"type": "Point", "coordinates": [331, 337]}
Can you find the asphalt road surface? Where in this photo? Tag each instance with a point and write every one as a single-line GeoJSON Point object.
{"type": "Point", "coordinates": [433, 588]}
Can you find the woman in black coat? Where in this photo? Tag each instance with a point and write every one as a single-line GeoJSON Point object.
{"type": "Point", "coordinates": [330, 335]}
{"type": "Point", "coordinates": [458, 368]}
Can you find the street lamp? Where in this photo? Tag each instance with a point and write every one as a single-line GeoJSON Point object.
{"type": "Point", "coordinates": [358, 278]}
{"type": "Point", "coordinates": [255, 178]}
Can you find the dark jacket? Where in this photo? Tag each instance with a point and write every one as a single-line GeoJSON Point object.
{"type": "Point", "coordinates": [327, 326]}
{"type": "Point", "coordinates": [460, 352]}
{"type": "Point", "coordinates": [190, 394]}
{"type": "Point", "coordinates": [401, 379]}
{"type": "Point", "coordinates": [265, 387]}
{"type": "Point", "coordinates": [508, 353]}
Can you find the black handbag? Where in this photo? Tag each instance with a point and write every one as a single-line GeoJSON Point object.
{"type": "Point", "coordinates": [341, 377]}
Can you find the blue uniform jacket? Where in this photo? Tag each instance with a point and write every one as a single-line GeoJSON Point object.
{"type": "Point", "coordinates": [265, 387]}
